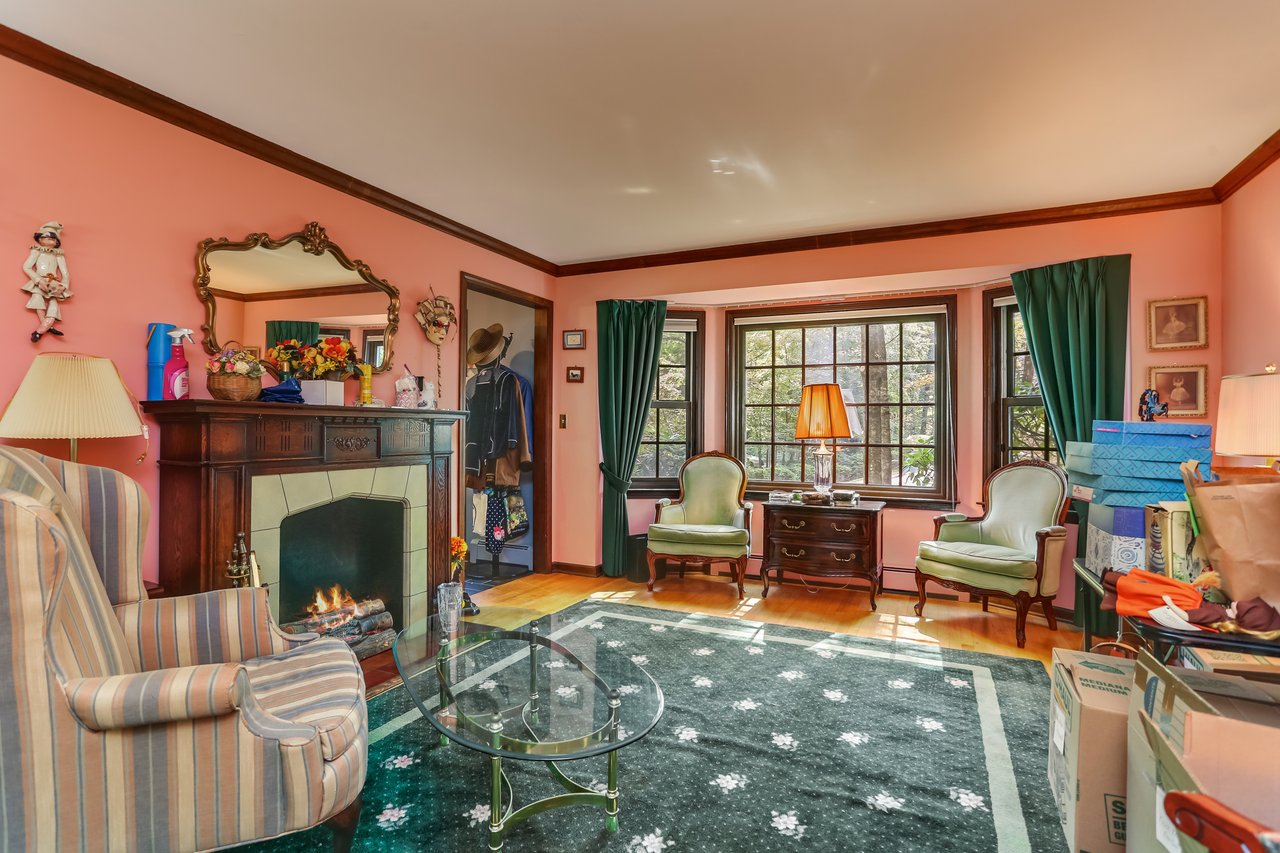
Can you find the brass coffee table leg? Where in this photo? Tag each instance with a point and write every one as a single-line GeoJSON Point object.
{"type": "Point", "coordinates": [497, 827]}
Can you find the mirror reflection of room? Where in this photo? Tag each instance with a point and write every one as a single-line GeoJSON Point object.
{"type": "Point", "coordinates": [498, 453]}
{"type": "Point", "coordinates": [270, 295]}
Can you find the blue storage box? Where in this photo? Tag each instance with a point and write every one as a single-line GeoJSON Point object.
{"type": "Point", "coordinates": [1119, 520]}
{"type": "Point", "coordinates": [1118, 483]}
{"type": "Point", "coordinates": [1142, 452]}
{"type": "Point", "coordinates": [1157, 433]}
{"type": "Point", "coordinates": [1116, 538]}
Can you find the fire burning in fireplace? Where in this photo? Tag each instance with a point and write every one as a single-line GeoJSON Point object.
{"type": "Point", "coordinates": [364, 625]}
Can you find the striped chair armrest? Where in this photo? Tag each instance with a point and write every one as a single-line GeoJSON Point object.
{"type": "Point", "coordinates": [147, 698]}
{"type": "Point", "coordinates": [220, 626]}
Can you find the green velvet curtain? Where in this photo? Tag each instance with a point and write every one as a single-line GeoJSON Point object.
{"type": "Point", "coordinates": [283, 330]}
{"type": "Point", "coordinates": [1077, 320]}
{"type": "Point", "coordinates": [628, 335]}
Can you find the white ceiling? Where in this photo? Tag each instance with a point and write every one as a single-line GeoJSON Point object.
{"type": "Point", "coordinates": [584, 129]}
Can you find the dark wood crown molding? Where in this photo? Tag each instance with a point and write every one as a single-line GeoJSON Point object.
{"type": "Point", "coordinates": [50, 60]}
{"type": "Point", "coordinates": [1248, 168]}
{"type": "Point", "coordinates": [943, 228]}
{"type": "Point", "coordinates": [43, 57]}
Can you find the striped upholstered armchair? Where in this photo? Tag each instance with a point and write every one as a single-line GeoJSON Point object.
{"type": "Point", "coordinates": [175, 724]}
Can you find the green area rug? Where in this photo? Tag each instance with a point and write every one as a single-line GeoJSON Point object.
{"type": "Point", "coordinates": [773, 739]}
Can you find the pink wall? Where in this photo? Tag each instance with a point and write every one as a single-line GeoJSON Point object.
{"type": "Point", "coordinates": [136, 195]}
{"type": "Point", "coordinates": [1175, 253]}
{"type": "Point", "coordinates": [1251, 274]}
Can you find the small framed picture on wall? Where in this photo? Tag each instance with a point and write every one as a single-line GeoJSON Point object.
{"type": "Point", "coordinates": [1183, 387]}
{"type": "Point", "coordinates": [573, 374]}
{"type": "Point", "coordinates": [575, 339]}
{"type": "Point", "coordinates": [1178, 323]}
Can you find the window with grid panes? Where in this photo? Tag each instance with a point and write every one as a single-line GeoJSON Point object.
{"type": "Point", "coordinates": [671, 431]}
{"type": "Point", "coordinates": [1023, 428]}
{"type": "Point", "coordinates": [892, 370]}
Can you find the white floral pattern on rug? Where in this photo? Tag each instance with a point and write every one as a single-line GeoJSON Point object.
{"type": "Point", "coordinates": [901, 684]}
{"type": "Point", "coordinates": [596, 626]}
{"type": "Point", "coordinates": [393, 816]}
{"type": "Point", "coordinates": [615, 644]}
{"type": "Point", "coordinates": [855, 738]}
{"type": "Point", "coordinates": [968, 799]}
{"type": "Point", "coordinates": [755, 650]}
{"type": "Point", "coordinates": [703, 652]}
{"type": "Point", "coordinates": [657, 629]}
{"type": "Point", "coordinates": [958, 683]}
{"type": "Point", "coordinates": [623, 733]}
{"type": "Point", "coordinates": [566, 691]}
{"type": "Point", "coordinates": [653, 842]}
{"type": "Point", "coordinates": [400, 762]}
{"type": "Point", "coordinates": [487, 684]}
{"type": "Point", "coordinates": [702, 681]}
{"type": "Point", "coordinates": [555, 664]}
{"type": "Point", "coordinates": [639, 660]}
{"type": "Point", "coordinates": [478, 814]}
{"type": "Point", "coordinates": [730, 781]}
{"type": "Point", "coordinates": [792, 674]}
{"type": "Point", "coordinates": [827, 654]}
{"type": "Point", "coordinates": [746, 705]}
{"type": "Point", "coordinates": [929, 724]}
{"type": "Point", "coordinates": [836, 695]}
{"type": "Point", "coordinates": [628, 689]}
{"type": "Point", "coordinates": [788, 824]}
{"type": "Point", "coordinates": [785, 741]}
{"type": "Point", "coordinates": [883, 802]}
{"type": "Point", "coordinates": [685, 734]}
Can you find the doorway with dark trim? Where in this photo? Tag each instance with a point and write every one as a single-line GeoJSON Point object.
{"type": "Point", "coordinates": [525, 349]}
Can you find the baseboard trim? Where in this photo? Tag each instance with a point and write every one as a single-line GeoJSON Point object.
{"type": "Point", "coordinates": [578, 569]}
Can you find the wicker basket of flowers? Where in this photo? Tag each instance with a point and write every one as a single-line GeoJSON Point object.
{"type": "Point", "coordinates": [234, 374]}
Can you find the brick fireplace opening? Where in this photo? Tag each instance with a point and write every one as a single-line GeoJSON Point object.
{"type": "Point", "coordinates": [361, 528]}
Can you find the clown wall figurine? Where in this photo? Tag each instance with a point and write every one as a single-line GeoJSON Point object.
{"type": "Point", "coordinates": [48, 281]}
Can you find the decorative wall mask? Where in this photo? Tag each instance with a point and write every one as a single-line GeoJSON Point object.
{"type": "Point", "coordinates": [48, 281]}
{"type": "Point", "coordinates": [438, 318]}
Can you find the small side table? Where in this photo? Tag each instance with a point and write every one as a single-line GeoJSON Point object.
{"type": "Point", "coordinates": [833, 541]}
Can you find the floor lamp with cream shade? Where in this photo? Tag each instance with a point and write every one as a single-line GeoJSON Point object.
{"type": "Point", "coordinates": [73, 396]}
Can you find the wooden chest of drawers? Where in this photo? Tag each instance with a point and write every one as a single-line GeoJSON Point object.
{"type": "Point", "coordinates": [823, 541]}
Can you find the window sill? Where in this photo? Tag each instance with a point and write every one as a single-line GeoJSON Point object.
{"type": "Point", "coordinates": [654, 492]}
{"type": "Point", "coordinates": [890, 501]}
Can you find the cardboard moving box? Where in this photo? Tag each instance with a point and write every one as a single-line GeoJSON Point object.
{"type": "Point", "coordinates": [1200, 732]}
{"type": "Point", "coordinates": [1088, 714]}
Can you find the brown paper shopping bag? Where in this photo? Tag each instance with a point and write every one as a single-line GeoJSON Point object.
{"type": "Point", "coordinates": [1239, 518]}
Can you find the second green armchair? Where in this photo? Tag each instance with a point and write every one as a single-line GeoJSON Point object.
{"type": "Point", "coordinates": [1014, 551]}
{"type": "Point", "coordinates": [709, 523]}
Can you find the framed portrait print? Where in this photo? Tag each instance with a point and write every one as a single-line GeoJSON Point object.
{"type": "Point", "coordinates": [1183, 387]}
{"type": "Point", "coordinates": [573, 374]}
{"type": "Point", "coordinates": [1178, 323]}
{"type": "Point", "coordinates": [575, 339]}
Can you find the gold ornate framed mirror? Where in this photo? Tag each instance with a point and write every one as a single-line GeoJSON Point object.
{"type": "Point", "coordinates": [260, 287]}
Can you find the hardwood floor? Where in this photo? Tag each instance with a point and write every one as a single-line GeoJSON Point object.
{"type": "Point", "coordinates": [949, 624]}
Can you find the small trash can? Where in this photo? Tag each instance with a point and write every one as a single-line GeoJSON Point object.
{"type": "Point", "coordinates": [637, 563]}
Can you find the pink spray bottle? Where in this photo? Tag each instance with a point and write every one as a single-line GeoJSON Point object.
{"type": "Point", "coordinates": [177, 373]}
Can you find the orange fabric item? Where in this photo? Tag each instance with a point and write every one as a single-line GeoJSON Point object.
{"type": "Point", "coordinates": [1139, 592]}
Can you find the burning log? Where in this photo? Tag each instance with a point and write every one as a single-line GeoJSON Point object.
{"type": "Point", "coordinates": [365, 625]}
{"type": "Point", "coordinates": [374, 643]}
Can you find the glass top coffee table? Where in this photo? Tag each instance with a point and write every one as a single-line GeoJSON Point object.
{"type": "Point", "coordinates": [546, 690]}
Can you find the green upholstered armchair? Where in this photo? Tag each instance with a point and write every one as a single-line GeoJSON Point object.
{"type": "Point", "coordinates": [1015, 550]}
{"type": "Point", "coordinates": [709, 523]}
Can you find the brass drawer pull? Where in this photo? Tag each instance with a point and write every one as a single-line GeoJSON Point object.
{"type": "Point", "coordinates": [791, 526]}
{"type": "Point", "coordinates": [840, 529]}
{"type": "Point", "coordinates": [787, 553]}
{"type": "Point", "coordinates": [848, 559]}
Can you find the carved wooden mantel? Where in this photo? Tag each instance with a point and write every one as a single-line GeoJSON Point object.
{"type": "Point", "coordinates": [210, 450]}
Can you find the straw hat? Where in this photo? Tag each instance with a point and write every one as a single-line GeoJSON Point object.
{"type": "Point", "coordinates": [484, 344]}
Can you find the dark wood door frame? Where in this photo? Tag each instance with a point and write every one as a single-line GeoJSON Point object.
{"type": "Point", "coordinates": [542, 420]}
